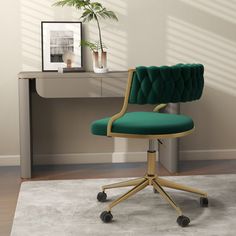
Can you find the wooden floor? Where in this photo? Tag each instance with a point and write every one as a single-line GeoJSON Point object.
{"type": "Point", "coordinates": [10, 178]}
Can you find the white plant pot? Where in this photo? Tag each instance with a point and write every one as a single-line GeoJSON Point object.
{"type": "Point", "coordinates": [100, 62]}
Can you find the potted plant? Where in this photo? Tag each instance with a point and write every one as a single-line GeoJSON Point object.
{"type": "Point", "coordinates": [93, 11]}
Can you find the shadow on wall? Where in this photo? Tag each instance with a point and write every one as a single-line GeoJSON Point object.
{"type": "Point", "coordinates": [223, 9]}
{"type": "Point", "coordinates": [187, 42]}
{"type": "Point", "coordinates": [32, 13]}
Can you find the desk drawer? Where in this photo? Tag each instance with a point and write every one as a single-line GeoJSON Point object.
{"type": "Point", "coordinates": [114, 87]}
{"type": "Point", "coordinates": [69, 88]}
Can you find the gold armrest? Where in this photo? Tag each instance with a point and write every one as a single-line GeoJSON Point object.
{"type": "Point", "coordinates": [159, 107]}
{"type": "Point", "coordinates": [112, 119]}
{"type": "Point", "coordinates": [125, 104]}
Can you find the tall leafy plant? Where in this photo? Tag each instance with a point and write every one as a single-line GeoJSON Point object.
{"type": "Point", "coordinates": [91, 11]}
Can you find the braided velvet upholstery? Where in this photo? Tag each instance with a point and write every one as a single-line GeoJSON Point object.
{"type": "Point", "coordinates": [167, 84]}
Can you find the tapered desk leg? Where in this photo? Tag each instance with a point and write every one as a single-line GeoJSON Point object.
{"type": "Point", "coordinates": [169, 150]}
{"type": "Point", "coordinates": [25, 127]}
{"type": "Point", "coordinates": [169, 154]}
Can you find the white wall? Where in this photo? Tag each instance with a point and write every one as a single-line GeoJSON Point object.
{"type": "Point", "coordinates": [154, 32]}
{"type": "Point", "coordinates": [10, 64]}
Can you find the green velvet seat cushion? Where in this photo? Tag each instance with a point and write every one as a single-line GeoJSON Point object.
{"type": "Point", "coordinates": [145, 123]}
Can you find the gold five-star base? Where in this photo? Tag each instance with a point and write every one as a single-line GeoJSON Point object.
{"type": "Point", "coordinates": [151, 178]}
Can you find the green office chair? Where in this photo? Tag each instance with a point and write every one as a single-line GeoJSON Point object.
{"type": "Point", "coordinates": [154, 85]}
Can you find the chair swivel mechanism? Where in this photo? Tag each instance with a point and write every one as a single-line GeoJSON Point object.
{"type": "Point", "coordinates": [157, 86]}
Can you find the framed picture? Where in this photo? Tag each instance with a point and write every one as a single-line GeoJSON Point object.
{"type": "Point", "coordinates": [61, 45]}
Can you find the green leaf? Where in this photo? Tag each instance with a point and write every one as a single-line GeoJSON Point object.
{"type": "Point", "coordinates": [86, 13]}
{"type": "Point", "coordinates": [79, 4]}
{"type": "Point", "coordinates": [87, 17]}
{"type": "Point", "coordinates": [105, 14]}
{"type": "Point", "coordinates": [96, 6]}
{"type": "Point", "coordinates": [91, 46]}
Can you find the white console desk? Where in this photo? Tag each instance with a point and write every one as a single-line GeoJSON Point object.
{"type": "Point", "coordinates": [74, 85]}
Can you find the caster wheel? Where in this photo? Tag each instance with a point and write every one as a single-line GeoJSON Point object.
{"type": "Point", "coordinates": [106, 216]}
{"type": "Point", "coordinates": [102, 197]}
{"type": "Point", "coordinates": [203, 202]}
{"type": "Point", "coordinates": [183, 221]}
{"type": "Point", "coordinates": [155, 191]}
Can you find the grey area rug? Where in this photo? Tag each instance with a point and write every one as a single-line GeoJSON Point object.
{"type": "Point", "coordinates": [70, 207]}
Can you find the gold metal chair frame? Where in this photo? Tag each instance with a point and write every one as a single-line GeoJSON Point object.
{"type": "Point", "coordinates": [150, 178]}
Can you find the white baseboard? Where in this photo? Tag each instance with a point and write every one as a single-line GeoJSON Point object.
{"type": "Point", "coordinates": [216, 154]}
{"type": "Point", "coordinates": [89, 158]}
{"type": "Point", "coordinates": [77, 158]}
{"type": "Point", "coordinates": [118, 157]}
{"type": "Point", "coordinates": [9, 160]}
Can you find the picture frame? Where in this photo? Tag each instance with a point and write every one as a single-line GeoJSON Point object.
{"type": "Point", "coordinates": [61, 46]}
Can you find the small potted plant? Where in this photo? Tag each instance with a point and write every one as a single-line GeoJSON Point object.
{"type": "Point", "coordinates": [93, 11]}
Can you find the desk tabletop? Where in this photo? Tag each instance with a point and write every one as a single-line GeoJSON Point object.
{"type": "Point", "coordinates": [74, 75]}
